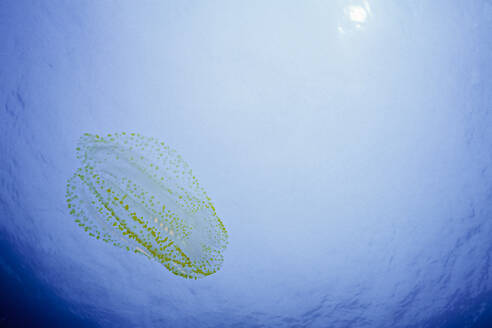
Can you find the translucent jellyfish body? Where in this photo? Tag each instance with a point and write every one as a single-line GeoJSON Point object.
{"type": "Point", "coordinates": [140, 195]}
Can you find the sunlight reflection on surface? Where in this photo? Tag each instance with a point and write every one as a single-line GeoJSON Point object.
{"type": "Point", "coordinates": [355, 17]}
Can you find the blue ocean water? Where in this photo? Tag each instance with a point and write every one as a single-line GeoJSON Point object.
{"type": "Point", "coordinates": [347, 146]}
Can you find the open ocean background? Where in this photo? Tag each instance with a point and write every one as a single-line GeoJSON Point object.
{"type": "Point", "coordinates": [347, 146]}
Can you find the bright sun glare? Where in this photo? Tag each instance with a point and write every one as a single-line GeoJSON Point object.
{"type": "Point", "coordinates": [355, 17]}
{"type": "Point", "coordinates": [357, 14]}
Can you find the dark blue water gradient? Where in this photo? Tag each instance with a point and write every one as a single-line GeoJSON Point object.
{"type": "Point", "coordinates": [26, 301]}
